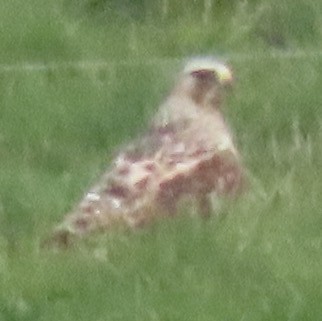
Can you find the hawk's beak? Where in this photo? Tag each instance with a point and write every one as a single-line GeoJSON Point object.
{"type": "Point", "coordinates": [225, 76]}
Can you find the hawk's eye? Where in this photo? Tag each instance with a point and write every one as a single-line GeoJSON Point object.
{"type": "Point", "coordinates": [204, 74]}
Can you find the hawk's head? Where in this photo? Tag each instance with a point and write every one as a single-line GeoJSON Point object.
{"type": "Point", "coordinates": [203, 79]}
{"type": "Point", "coordinates": [209, 69]}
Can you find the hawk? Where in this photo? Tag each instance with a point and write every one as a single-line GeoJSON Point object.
{"type": "Point", "coordinates": [187, 152]}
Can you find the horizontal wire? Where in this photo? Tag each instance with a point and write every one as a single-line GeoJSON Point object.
{"type": "Point", "coordinates": [101, 64]}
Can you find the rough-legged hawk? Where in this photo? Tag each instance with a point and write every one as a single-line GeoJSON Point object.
{"type": "Point", "coordinates": [187, 153]}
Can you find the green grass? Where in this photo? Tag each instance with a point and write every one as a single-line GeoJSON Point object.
{"type": "Point", "coordinates": [59, 127]}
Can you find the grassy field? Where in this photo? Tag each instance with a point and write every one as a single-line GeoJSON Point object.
{"type": "Point", "coordinates": [78, 78]}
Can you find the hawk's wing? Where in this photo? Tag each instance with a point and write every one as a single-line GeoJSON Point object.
{"type": "Point", "coordinates": [188, 155]}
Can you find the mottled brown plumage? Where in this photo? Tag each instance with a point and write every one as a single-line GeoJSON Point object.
{"type": "Point", "coordinates": [188, 152]}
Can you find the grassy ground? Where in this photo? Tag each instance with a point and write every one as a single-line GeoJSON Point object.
{"type": "Point", "coordinates": [260, 260]}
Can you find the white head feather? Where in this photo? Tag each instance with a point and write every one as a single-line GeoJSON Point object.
{"type": "Point", "coordinates": [222, 71]}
